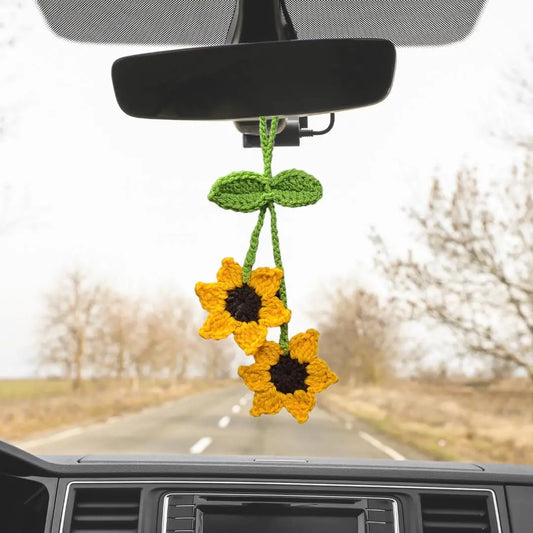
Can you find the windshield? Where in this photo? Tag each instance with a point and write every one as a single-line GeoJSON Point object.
{"type": "Point", "coordinates": [416, 266]}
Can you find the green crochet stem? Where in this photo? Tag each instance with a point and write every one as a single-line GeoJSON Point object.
{"type": "Point", "coordinates": [267, 147]}
{"type": "Point", "coordinates": [254, 244]}
{"type": "Point", "coordinates": [284, 328]}
{"type": "Point", "coordinates": [267, 143]}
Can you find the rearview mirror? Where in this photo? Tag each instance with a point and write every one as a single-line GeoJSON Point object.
{"type": "Point", "coordinates": [232, 82]}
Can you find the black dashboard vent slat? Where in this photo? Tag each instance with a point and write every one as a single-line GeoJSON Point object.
{"type": "Point", "coordinates": [105, 510]}
{"type": "Point", "coordinates": [455, 513]}
{"type": "Point", "coordinates": [181, 514]}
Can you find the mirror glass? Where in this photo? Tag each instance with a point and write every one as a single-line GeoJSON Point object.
{"type": "Point", "coordinates": [242, 81]}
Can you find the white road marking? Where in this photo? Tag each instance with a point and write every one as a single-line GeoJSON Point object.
{"type": "Point", "coordinates": [381, 447]}
{"type": "Point", "coordinates": [236, 409]}
{"type": "Point", "coordinates": [51, 438]}
{"type": "Point", "coordinates": [201, 445]}
{"type": "Point", "coordinates": [224, 422]}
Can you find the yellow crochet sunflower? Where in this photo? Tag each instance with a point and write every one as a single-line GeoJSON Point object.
{"type": "Point", "coordinates": [288, 380]}
{"type": "Point", "coordinates": [244, 309]}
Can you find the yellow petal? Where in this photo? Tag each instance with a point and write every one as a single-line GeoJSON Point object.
{"type": "Point", "coordinates": [299, 404]}
{"type": "Point", "coordinates": [219, 325]}
{"type": "Point", "coordinates": [304, 346]}
{"type": "Point", "coordinates": [212, 296]}
{"type": "Point", "coordinates": [256, 377]}
{"type": "Point", "coordinates": [266, 281]}
{"type": "Point", "coordinates": [250, 336]}
{"type": "Point", "coordinates": [267, 403]}
{"type": "Point", "coordinates": [230, 274]}
{"type": "Point", "coordinates": [273, 313]}
{"type": "Point", "coordinates": [319, 377]}
{"type": "Point", "coordinates": [268, 354]}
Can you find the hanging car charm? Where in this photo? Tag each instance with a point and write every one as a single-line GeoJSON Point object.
{"type": "Point", "coordinates": [246, 302]}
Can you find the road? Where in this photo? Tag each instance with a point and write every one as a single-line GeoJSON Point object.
{"type": "Point", "coordinates": [216, 422]}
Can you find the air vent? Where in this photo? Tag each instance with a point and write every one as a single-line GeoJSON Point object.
{"type": "Point", "coordinates": [454, 513]}
{"type": "Point", "coordinates": [181, 513]}
{"type": "Point", "coordinates": [105, 510]}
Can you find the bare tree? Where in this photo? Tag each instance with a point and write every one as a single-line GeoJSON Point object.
{"type": "Point", "coordinates": [357, 333]}
{"type": "Point", "coordinates": [143, 338]}
{"type": "Point", "coordinates": [71, 325]}
{"type": "Point", "coordinates": [178, 338]}
{"type": "Point", "coordinates": [215, 359]}
{"type": "Point", "coordinates": [90, 330]}
{"type": "Point", "coordinates": [117, 335]}
{"type": "Point", "coordinates": [143, 343]}
{"type": "Point", "coordinates": [475, 276]}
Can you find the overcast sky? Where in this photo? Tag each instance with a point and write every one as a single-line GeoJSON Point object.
{"type": "Point", "coordinates": [125, 199]}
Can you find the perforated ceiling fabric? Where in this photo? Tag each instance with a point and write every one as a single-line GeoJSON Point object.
{"type": "Point", "coordinates": [195, 22]}
{"type": "Point", "coordinates": [404, 22]}
{"type": "Point", "coordinates": [208, 22]}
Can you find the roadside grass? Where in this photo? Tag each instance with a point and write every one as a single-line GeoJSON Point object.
{"type": "Point", "coordinates": [451, 421]}
{"type": "Point", "coordinates": [24, 389]}
{"type": "Point", "coordinates": [33, 406]}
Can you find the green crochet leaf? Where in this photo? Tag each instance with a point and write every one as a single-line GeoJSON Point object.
{"type": "Point", "coordinates": [295, 188]}
{"type": "Point", "coordinates": [240, 191]}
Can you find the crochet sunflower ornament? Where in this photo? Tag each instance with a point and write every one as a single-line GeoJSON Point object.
{"type": "Point", "coordinates": [245, 303]}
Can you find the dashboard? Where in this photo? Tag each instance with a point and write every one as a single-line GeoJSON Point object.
{"type": "Point", "coordinates": [184, 494]}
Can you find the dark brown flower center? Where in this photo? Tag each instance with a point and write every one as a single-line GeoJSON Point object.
{"type": "Point", "coordinates": [288, 375]}
{"type": "Point", "coordinates": [243, 304]}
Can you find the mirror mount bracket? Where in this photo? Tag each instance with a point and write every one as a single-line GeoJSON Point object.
{"type": "Point", "coordinates": [291, 130]}
{"type": "Point", "coordinates": [258, 21]}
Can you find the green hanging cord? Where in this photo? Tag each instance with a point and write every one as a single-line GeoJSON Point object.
{"type": "Point", "coordinates": [267, 146]}
{"type": "Point", "coordinates": [254, 244]}
{"type": "Point", "coordinates": [284, 328]}
{"type": "Point", "coordinates": [267, 143]}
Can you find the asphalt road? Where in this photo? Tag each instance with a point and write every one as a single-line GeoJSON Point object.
{"type": "Point", "coordinates": [216, 422]}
